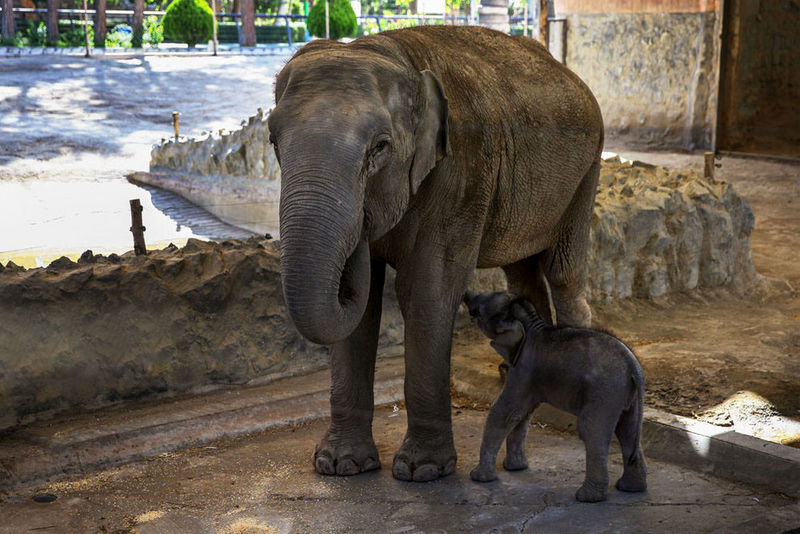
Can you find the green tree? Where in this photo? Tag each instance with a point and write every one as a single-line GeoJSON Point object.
{"type": "Point", "coordinates": [342, 19]}
{"type": "Point", "coordinates": [189, 21]}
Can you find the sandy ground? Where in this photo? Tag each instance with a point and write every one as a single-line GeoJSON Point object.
{"type": "Point", "coordinates": [265, 483]}
{"type": "Point", "coordinates": [71, 128]}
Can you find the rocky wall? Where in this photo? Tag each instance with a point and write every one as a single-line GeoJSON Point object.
{"type": "Point", "coordinates": [120, 327]}
{"type": "Point", "coordinates": [653, 74]}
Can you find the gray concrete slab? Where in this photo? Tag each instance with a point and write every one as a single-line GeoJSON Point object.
{"type": "Point", "coordinates": [265, 483]}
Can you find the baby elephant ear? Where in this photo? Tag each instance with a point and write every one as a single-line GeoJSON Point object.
{"type": "Point", "coordinates": [509, 341]}
{"type": "Point", "coordinates": [431, 135]}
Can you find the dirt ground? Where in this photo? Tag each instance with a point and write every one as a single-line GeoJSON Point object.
{"type": "Point", "coordinates": [68, 119]}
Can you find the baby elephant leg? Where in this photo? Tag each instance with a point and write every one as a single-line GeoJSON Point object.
{"type": "Point", "coordinates": [595, 429]}
{"type": "Point", "coordinates": [503, 416]}
{"type": "Point", "coordinates": [634, 475]}
{"type": "Point", "coordinates": [516, 459]}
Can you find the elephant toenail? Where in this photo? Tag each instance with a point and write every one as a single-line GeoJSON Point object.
{"type": "Point", "coordinates": [425, 473]}
{"type": "Point", "coordinates": [449, 467]}
{"type": "Point", "coordinates": [401, 471]}
{"type": "Point", "coordinates": [324, 466]}
{"type": "Point", "coordinates": [371, 464]}
{"type": "Point", "coordinates": [347, 467]}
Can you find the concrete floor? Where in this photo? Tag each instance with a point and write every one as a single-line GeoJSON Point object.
{"type": "Point", "coordinates": [265, 483]}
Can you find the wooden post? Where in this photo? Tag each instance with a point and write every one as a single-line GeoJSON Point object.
{"type": "Point", "coordinates": [176, 124]}
{"type": "Point", "coordinates": [708, 169]}
{"type": "Point", "coordinates": [137, 228]}
{"type": "Point", "coordinates": [543, 37]}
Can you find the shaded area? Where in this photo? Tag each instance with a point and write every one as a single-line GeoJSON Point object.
{"type": "Point", "coordinates": [265, 483]}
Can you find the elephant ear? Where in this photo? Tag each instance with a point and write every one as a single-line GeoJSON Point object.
{"type": "Point", "coordinates": [509, 341]}
{"type": "Point", "coordinates": [431, 135]}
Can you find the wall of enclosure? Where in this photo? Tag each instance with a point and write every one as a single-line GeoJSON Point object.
{"type": "Point", "coordinates": [653, 66]}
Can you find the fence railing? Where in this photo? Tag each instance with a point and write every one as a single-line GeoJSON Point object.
{"type": "Point", "coordinates": [380, 20]}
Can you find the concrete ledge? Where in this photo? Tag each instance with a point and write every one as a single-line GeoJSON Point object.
{"type": "Point", "coordinates": [679, 440]}
{"type": "Point", "coordinates": [128, 432]}
{"type": "Point", "coordinates": [131, 431]}
{"type": "Point", "coordinates": [706, 448]}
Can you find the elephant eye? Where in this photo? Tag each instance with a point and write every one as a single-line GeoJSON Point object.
{"type": "Point", "coordinates": [381, 145]}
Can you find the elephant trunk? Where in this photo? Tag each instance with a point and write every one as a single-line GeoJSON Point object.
{"type": "Point", "coordinates": [325, 260]}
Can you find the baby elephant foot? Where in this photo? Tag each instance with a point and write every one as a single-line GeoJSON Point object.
{"type": "Point", "coordinates": [423, 462]}
{"type": "Point", "coordinates": [483, 473]}
{"type": "Point", "coordinates": [345, 456]}
{"type": "Point", "coordinates": [632, 483]}
{"type": "Point", "coordinates": [591, 493]}
{"type": "Point", "coordinates": [515, 462]}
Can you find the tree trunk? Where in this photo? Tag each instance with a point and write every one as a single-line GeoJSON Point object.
{"type": "Point", "coordinates": [543, 36]}
{"type": "Point", "coordinates": [494, 14]}
{"type": "Point", "coordinates": [100, 23]}
{"type": "Point", "coordinates": [138, 27]}
{"type": "Point", "coordinates": [248, 35]}
{"type": "Point", "coordinates": [8, 19]}
{"type": "Point", "coordinates": [52, 22]}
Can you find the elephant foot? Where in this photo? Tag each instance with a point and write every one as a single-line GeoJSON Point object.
{"type": "Point", "coordinates": [423, 462]}
{"type": "Point", "coordinates": [515, 462]}
{"type": "Point", "coordinates": [591, 493]}
{"type": "Point", "coordinates": [345, 456]}
{"type": "Point", "coordinates": [483, 473]}
{"type": "Point", "coordinates": [633, 483]}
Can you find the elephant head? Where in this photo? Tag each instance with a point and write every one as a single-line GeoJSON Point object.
{"type": "Point", "coordinates": [355, 133]}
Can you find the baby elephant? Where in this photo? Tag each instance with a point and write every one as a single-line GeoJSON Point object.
{"type": "Point", "coordinates": [588, 373]}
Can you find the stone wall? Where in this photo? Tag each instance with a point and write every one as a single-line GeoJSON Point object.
{"type": "Point", "coordinates": [653, 74]}
{"type": "Point", "coordinates": [654, 232]}
{"type": "Point", "coordinates": [120, 327]}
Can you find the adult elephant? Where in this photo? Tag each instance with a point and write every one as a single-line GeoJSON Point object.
{"type": "Point", "coordinates": [436, 150]}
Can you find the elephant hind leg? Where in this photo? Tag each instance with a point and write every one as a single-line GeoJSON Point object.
{"type": "Point", "coordinates": [564, 263]}
{"type": "Point", "coordinates": [629, 427]}
{"type": "Point", "coordinates": [526, 278]}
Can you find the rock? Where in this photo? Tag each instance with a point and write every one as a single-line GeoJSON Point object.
{"type": "Point", "coordinates": [87, 258]}
{"type": "Point", "coordinates": [12, 267]}
{"type": "Point", "coordinates": [139, 325]}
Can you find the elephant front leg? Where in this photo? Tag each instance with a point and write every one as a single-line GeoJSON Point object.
{"type": "Point", "coordinates": [429, 295]}
{"type": "Point", "coordinates": [348, 447]}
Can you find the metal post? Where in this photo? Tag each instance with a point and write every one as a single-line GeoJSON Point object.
{"type": "Point", "coordinates": [214, 25]}
{"type": "Point", "coordinates": [86, 27]}
{"type": "Point", "coordinates": [176, 124]}
{"type": "Point", "coordinates": [137, 228]}
{"type": "Point", "coordinates": [327, 21]}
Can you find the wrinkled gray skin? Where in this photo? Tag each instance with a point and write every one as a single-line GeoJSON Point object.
{"type": "Point", "coordinates": [433, 150]}
{"type": "Point", "coordinates": [588, 373]}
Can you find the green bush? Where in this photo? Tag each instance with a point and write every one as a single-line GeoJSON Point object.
{"type": "Point", "coordinates": [74, 36]}
{"type": "Point", "coordinates": [120, 36]}
{"type": "Point", "coordinates": [153, 31]}
{"type": "Point", "coordinates": [189, 21]}
{"type": "Point", "coordinates": [342, 19]}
